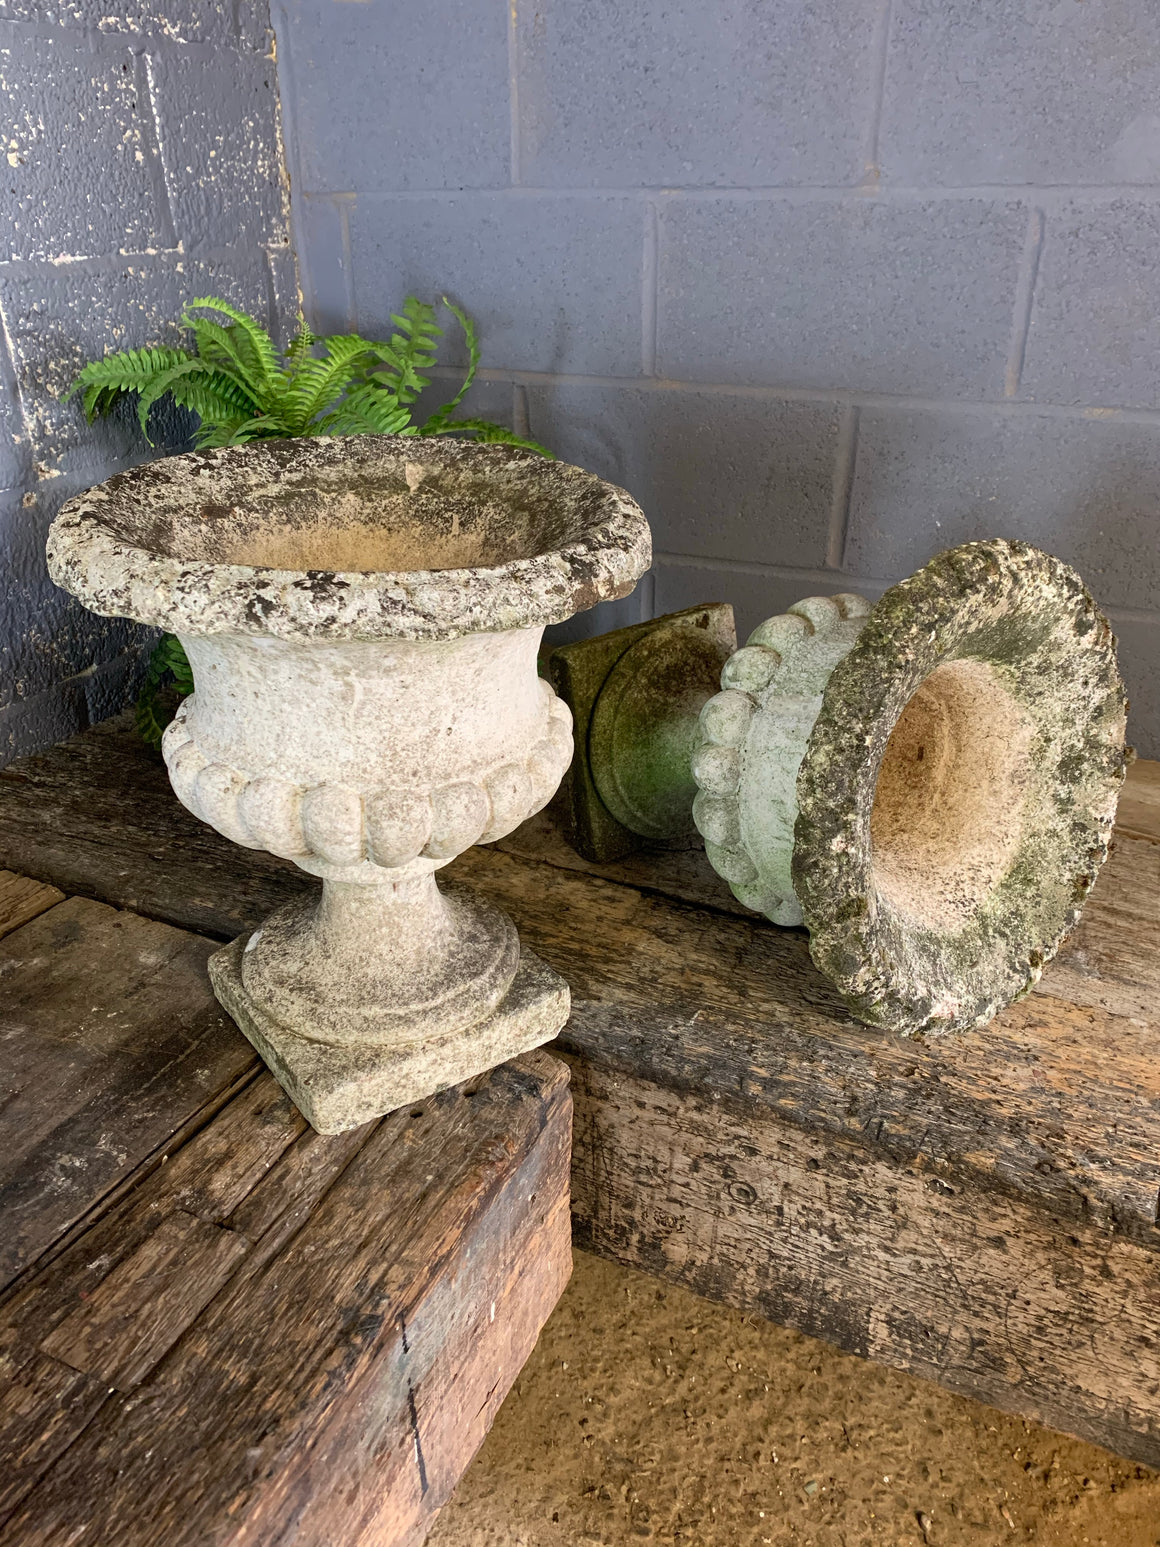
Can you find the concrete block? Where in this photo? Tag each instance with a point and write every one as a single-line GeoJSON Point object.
{"type": "Point", "coordinates": [320, 238]}
{"type": "Point", "coordinates": [1015, 91]}
{"type": "Point", "coordinates": [30, 725]}
{"type": "Point", "coordinates": [218, 126]}
{"type": "Point", "coordinates": [176, 21]}
{"type": "Point", "coordinates": [1139, 651]}
{"type": "Point", "coordinates": [910, 297]}
{"type": "Point", "coordinates": [755, 594]}
{"type": "Point", "coordinates": [554, 284]}
{"type": "Point", "coordinates": [33, 724]}
{"type": "Point", "coordinates": [677, 93]}
{"type": "Point", "coordinates": [722, 475]}
{"type": "Point", "coordinates": [82, 175]}
{"type": "Point", "coordinates": [1086, 489]}
{"type": "Point", "coordinates": [15, 450]}
{"type": "Point", "coordinates": [385, 97]}
{"type": "Point", "coordinates": [1095, 321]}
{"type": "Point", "coordinates": [48, 636]}
{"type": "Point", "coordinates": [60, 318]}
{"type": "Point", "coordinates": [283, 266]}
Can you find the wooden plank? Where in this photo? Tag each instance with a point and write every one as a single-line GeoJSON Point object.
{"type": "Point", "coordinates": [955, 1283]}
{"type": "Point", "coordinates": [140, 1310]}
{"type": "Point", "coordinates": [112, 1040]}
{"type": "Point", "coordinates": [336, 1390]}
{"type": "Point", "coordinates": [96, 817]}
{"type": "Point", "coordinates": [213, 1174]}
{"type": "Point", "coordinates": [22, 899]}
{"type": "Point", "coordinates": [43, 1407]}
{"type": "Point", "coordinates": [1139, 813]}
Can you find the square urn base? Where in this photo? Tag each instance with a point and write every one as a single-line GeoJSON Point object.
{"type": "Point", "coordinates": [336, 1088]}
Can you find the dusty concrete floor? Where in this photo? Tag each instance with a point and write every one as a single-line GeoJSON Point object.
{"type": "Point", "coordinates": [646, 1414]}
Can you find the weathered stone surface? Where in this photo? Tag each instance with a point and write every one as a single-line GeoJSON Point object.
{"type": "Point", "coordinates": [367, 537]}
{"type": "Point", "coordinates": [362, 618]}
{"type": "Point", "coordinates": [959, 788]}
{"type": "Point", "coordinates": [929, 785]}
{"type": "Point", "coordinates": [338, 1088]}
{"type": "Point", "coordinates": [753, 736]}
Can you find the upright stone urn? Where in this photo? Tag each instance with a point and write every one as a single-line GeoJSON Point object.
{"type": "Point", "coordinates": [363, 617]}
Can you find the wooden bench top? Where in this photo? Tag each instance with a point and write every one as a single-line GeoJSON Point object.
{"type": "Point", "coordinates": [217, 1326]}
{"type": "Point", "coordinates": [980, 1209]}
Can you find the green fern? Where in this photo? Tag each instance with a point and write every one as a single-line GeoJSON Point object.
{"type": "Point", "coordinates": [241, 389]}
{"type": "Point", "coordinates": [168, 679]}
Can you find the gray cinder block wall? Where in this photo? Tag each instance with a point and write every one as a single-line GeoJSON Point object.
{"type": "Point", "coordinates": [828, 284]}
{"type": "Point", "coordinates": [142, 168]}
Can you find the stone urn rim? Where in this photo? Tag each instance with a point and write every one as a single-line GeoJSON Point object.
{"type": "Point", "coordinates": [1027, 621]}
{"type": "Point", "coordinates": [178, 543]}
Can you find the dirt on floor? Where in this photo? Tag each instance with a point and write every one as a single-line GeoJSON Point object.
{"type": "Point", "coordinates": [646, 1414]}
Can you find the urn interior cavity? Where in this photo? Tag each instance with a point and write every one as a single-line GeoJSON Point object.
{"type": "Point", "coordinates": [949, 805]}
{"type": "Point", "coordinates": [402, 517]}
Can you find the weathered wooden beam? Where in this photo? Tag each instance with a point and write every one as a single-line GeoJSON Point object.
{"type": "Point", "coordinates": [111, 1043]}
{"type": "Point", "coordinates": [265, 1333]}
{"type": "Point", "coordinates": [972, 1209]}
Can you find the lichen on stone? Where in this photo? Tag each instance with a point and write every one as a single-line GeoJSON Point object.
{"type": "Point", "coordinates": [935, 894]}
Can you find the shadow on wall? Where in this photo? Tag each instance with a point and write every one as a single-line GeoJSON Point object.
{"type": "Point", "coordinates": [759, 500]}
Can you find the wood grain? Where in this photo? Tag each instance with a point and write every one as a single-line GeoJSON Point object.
{"type": "Point", "coordinates": [112, 1039]}
{"type": "Point", "coordinates": [333, 1390]}
{"type": "Point", "coordinates": [1139, 813]}
{"type": "Point", "coordinates": [954, 1283]}
{"type": "Point", "coordinates": [43, 1407]}
{"type": "Point", "coordinates": [22, 899]}
{"type": "Point", "coordinates": [137, 1313]}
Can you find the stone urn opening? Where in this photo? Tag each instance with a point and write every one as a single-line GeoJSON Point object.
{"type": "Point", "coordinates": [950, 802]}
{"type": "Point", "coordinates": [363, 618]}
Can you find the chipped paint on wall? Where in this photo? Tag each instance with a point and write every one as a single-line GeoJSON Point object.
{"type": "Point", "coordinates": [143, 166]}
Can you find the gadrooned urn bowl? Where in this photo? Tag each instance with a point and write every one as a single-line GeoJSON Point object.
{"type": "Point", "coordinates": [362, 617]}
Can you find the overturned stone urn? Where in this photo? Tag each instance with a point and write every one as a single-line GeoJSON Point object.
{"type": "Point", "coordinates": [362, 617]}
{"type": "Point", "coordinates": [929, 784]}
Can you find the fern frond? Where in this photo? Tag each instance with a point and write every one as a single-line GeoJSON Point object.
{"type": "Point", "coordinates": [104, 381]}
{"type": "Point", "coordinates": [254, 345]}
{"type": "Point", "coordinates": [212, 396]}
{"type": "Point", "coordinates": [367, 410]}
{"type": "Point", "coordinates": [409, 352]}
{"type": "Point", "coordinates": [168, 675]}
{"type": "Point", "coordinates": [319, 383]}
{"type": "Point", "coordinates": [485, 431]}
{"type": "Point", "coordinates": [441, 416]}
{"type": "Point", "coordinates": [164, 383]}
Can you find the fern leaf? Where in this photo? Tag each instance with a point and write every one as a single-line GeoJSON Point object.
{"type": "Point", "coordinates": [441, 416]}
{"type": "Point", "coordinates": [318, 384]}
{"type": "Point", "coordinates": [167, 676]}
{"type": "Point", "coordinates": [103, 381]}
{"type": "Point", "coordinates": [484, 430]}
{"type": "Point", "coordinates": [409, 352]}
{"type": "Point", "coordinates": [367, 410]}
{"type": "Point", "coordinates": [164, 383]}
{"type": "Point", "coordinates": [254, 344]}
